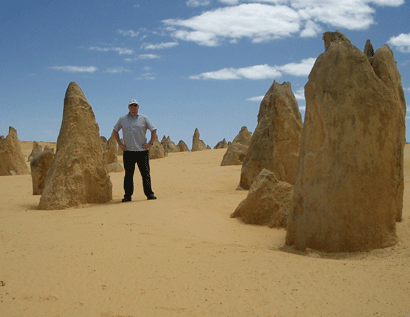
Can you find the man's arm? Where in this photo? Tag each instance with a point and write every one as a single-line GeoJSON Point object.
{"type": "Point", "coordinates": [153, 138]}
{"type": "Point", "coordinates": [117, 138]}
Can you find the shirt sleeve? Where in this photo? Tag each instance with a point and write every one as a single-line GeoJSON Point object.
{"type": "Point", "coordinates": [118, 126]}
{"type": "Point", "coordinates": [149, 124]}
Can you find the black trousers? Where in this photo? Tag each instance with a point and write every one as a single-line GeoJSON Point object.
{"type": "Point", "coordinates": [142, 160]}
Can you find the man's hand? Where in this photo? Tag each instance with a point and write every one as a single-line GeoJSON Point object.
{"type": "Point", "coordinates": [122, 147]}
{"type": "Point", "coordinates": [147, 146]}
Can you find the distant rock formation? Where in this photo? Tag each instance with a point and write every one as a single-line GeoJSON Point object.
{"type": "Point", "coordinates": [221, 145]}
{"type": "Point", "coordinates": [12, 161]}
{"type": "Point", "coordinates": [236, 152]}
{"type": "Point", "coordinates": [244, 137]}
{"type": "Point", "coordinates": [78, 174]}
{"type": "Point", "coordinates": [157, 151]}
{"type": "Point", "coordinates": [168, 145]}
{"type": "Point", "coordinates": [197, 144]}
{"type": "Point", "coordinates": [39, 166]}
{"type": "Point", "coordinates": [182, 147]}
{"type": "Point", "coordinates": [267, 203]}
{"type": "Point", "coordinates": [275, 144]}
{"type": "Point", "coordinates": [113, 165]}
{"type": "Point", "coordinates": [348, 192]}
{"type": "Point", "coordinates": [36, 149]}
{"type": "Point", "coordinates": [48, 148]}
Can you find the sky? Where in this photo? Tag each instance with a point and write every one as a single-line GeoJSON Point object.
{"type": "Point", "coordinates": [191, 64]}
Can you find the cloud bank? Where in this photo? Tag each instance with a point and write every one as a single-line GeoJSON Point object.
{"type": "Point", "coordinates": [267, 20]}
{"type": "Point", "coordinates": [260, 71]}
{"type": "Point", "coordinates": [75, 69]}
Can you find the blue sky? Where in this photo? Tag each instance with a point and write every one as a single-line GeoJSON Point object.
{"type": "Point", "coordinates": [202, 64]}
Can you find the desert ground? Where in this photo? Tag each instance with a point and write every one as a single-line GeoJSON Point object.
{"type": "Point", "coordinates": [182, 255]}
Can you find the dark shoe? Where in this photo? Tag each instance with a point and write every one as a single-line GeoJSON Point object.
{"type": "Point", "coordinates": [151, 197]}
{"type": "Point", "coordinates": [126, 199]}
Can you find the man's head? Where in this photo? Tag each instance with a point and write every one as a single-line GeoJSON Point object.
{"type": "Point", "coordinates": [133, 107]}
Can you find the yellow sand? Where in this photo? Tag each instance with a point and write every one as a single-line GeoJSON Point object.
{"type": "Point", "coordinates": [182, 255]}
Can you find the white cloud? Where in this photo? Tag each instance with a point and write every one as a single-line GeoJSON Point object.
{"type": "Point", "coordinates": [148, 56]}
{"type": "Point", "coordinates": [299, 69]}
{"type": "Point", "coordinates": [266, 20]}
{"type": "Point", "coordinates": [257, 98]}
{"type": "Point", "coordinates": [311, 29]}
{"type": "Point", "coordinates": [259, 71]}
{"type": "Point", "coordinates": [197, 3]}
{"type": "Point", "coordinates": [117, 70]}
{"type": "Point", "coordinates": [256, 21]}
{"type": "Point", "coordinates": [393, 3]}
{"type": "Point", "coordinates": [75, 69]}
{"type": "Point", "coordinates": [229, 2]}
{"type": "Point", "coordinates": [142, 56]}
{"type": "Point", "coordinates": [159, 46]}
{"type": "Point", "coordinates": [148, 76]}
{"type": "Point", "coordinates": [129, 33]}
{"type": "Point", "coordinates": [119, 50]}
{"type": "Point", "coordinates": [300, 94]}
{"type": "Point", "coordinates": [401, 42]}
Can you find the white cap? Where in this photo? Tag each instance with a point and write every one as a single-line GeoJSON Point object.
{"type": "Point", "coordinates": [133, 102]}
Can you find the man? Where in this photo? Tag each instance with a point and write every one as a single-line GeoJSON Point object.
{"type": "Point", "coordinates": [136, 149]}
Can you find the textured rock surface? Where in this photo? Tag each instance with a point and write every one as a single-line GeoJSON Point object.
{"type": "Point", "coordinates": [275, 144]}
{"type": "Point", "coordinates": [12, 161]}
{"type": "Point", "coordinates": [112, 156]}
{"type": "Point", "coordinates": [267, 203]}
{"type": "Point", "coordinates": [236, 152]}
{"type": "Point", "coordinates": [221, 145]}
{"type": "Point", "coordinates": [39, 166]}
{"type": "Point", "coordinates": [349, 188]}
{"type": "Point", "coordinates": [78, 174]}
{"type": "Point", "coordinates": [157, 151]}
{"type": "Point", "coordinates": [36, 149]}
{"type": "Point", "coordinates": [169, 146]}
{"type": "Point", "coordinates": [182, 147]}
{"type": "Point", "coordinates": [197, 143]}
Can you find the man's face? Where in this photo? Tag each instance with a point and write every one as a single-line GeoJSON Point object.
{"type": "Point", "coordinates": [133, 109]}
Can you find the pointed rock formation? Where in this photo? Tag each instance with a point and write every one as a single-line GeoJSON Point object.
{"type": "Point", "coordinates": [236, 152]}
{"type": "Point", "coordinates": [275, 144]}
{"type": "Point", "coordinates": [168, 145]}
{"type": "Point", "coordinates": [182, 147]}
{"type": "Point", "coordinates": [78, 174]}
{"type": "Point", "coordinates": [39, 166]}
{"type": "Point", "coordinates": [221, 145]}
{"type": "Point", "coordinates": [12, 161]}
{"type": "Point", "coordinates": [112, 156]}
{"type": "Point", "coordinates": [349, 187]}
{"type": "Point", "coordinates": [244, 137]}
{"type": "Point", "coordinates": [48, 148]}
{"type": "Point", "coordinates": [267, 203]}
{"type": "Point", "coordinates": [36, 149]}
{"type": "Point", "coordinates": [197, 144]}
{"type": "Point", "coordinates": [157, 150]}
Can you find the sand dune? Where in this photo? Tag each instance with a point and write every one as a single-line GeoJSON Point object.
{"type": "Point", "coordinates": [182, 255]}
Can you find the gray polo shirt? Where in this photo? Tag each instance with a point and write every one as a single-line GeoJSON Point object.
{"type": "Point", "coordinates": [134, 130]}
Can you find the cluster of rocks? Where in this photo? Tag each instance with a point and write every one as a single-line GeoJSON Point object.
{"type": "Point", "coordinates": [336, 184]}
{"type": "Point", "coordinates": [161, 149]}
